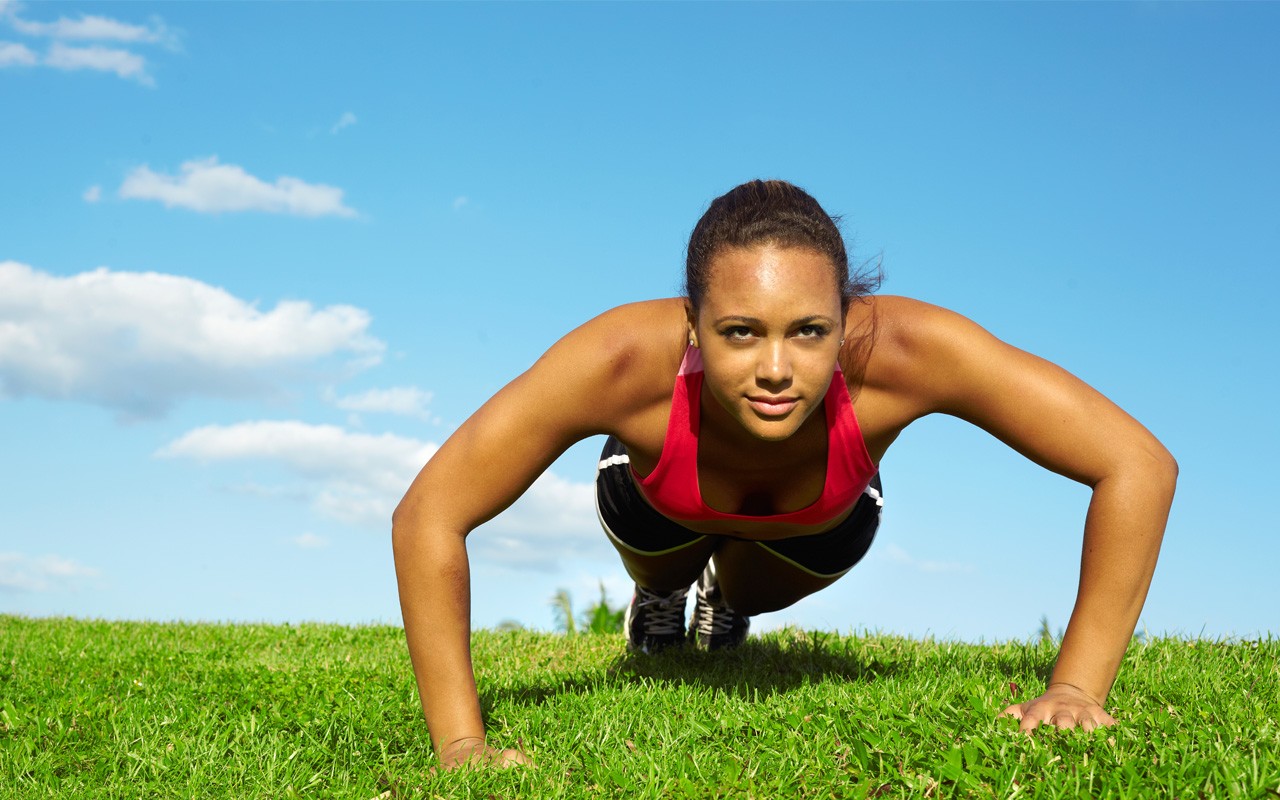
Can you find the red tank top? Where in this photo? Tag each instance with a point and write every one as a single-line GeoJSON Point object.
{"type": "Point", "coordinates": [672, 487]}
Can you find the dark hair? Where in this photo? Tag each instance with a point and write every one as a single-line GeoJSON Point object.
{"type": "Point", "coordinates": [770, 212]}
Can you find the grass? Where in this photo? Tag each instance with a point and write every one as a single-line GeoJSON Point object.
{"type": "Point", "coordinates": [129, 710]}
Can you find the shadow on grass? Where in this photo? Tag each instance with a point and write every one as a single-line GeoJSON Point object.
{"type": "Point", "coordinates": [763, 666]}
{"type": "Point", "coordinates": [760, 667]}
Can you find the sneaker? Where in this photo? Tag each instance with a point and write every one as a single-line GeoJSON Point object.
{"type": "Point", "coordinates": [714, 625]}
{"type": "Point", "coordinates": [655, 621]}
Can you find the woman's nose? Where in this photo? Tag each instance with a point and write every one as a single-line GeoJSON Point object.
{"type": "Point", "coordinates": [774, 366]}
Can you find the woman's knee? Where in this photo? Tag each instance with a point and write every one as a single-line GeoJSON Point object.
{"type": "Point", "coordinates": [669, 571]}
{"type": "Point", "coordinates": [754, 580]}
{"type": "Point", "coordinates": [751, 603]}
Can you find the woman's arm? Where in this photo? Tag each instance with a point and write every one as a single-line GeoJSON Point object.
{"type": "Point", "coordinates": [456, 491]}
{"type": "Point", "coordinates": [1061, 423]}
{"type": "Point", "coordinates": [578, 388]}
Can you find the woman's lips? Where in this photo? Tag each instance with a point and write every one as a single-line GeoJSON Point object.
{"type": "Point", "coordinates": [772, 406]}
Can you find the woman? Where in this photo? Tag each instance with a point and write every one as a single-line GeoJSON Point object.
{"type": "Point", "coordinates": [745, 423]}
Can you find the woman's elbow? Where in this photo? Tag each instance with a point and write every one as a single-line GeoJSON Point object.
{"type": "Point", "coordinates": [402, 524]}
{"type": "Point", "coordinates": [1171, 466]}
{"type": "Point", "coordinates": [1165, 464]}
{"type": "Point", "coordinates": [1158, 466]}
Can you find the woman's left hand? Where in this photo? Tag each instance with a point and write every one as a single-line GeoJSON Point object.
{"type": "Point", "coordinates": [1062, 706]}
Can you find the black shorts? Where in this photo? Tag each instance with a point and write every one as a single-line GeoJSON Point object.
{"type": "Point", "coordinates": [635, 525]}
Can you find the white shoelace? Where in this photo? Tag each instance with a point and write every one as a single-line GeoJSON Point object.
{"type": "Point", "coordinates": [665, 611]}
{"type": "Point", "coordinates": [712, 619]}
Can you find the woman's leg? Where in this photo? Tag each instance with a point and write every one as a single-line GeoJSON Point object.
{"type": "Point", "coordinates": [669, 571]}
{"type": "Point", "coordinates": [756, 577]}
{"type": "Point", "coordinates": [749, 577]}
{"type": "Point", "coordinates": [754, 580]}
{"type": "Point", "coordinates": [663, 557]}
{"type": "Point", "coordinates": [658, 554]}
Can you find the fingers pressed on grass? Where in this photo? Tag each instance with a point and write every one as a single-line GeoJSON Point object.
{"type": "Point", "coordinates": [514, 758]}
{"type": "Point", "coordinates": [476, 752]}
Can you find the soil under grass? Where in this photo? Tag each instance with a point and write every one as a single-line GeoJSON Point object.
{"type": "Point", "coordinates": [130, 710]}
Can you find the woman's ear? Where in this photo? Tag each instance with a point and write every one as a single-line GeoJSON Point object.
{"type": "Point", "coordinates": [691, 320]}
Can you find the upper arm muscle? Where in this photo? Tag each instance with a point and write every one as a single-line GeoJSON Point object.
{"type": "Point", "coordinates": [1036, 407]}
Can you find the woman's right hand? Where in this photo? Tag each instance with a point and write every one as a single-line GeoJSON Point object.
{"type": "Point", "coordinates": [474, 751]}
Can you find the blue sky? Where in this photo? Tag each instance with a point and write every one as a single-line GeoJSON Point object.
{"type": "Point", "coordinates": [258, 260]}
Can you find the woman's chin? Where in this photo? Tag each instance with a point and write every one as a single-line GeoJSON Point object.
{"type": "Point", "coordinates": [774, 429]}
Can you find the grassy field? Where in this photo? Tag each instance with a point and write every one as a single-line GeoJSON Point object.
{"type": "Point", "coordinates": [128, 710]}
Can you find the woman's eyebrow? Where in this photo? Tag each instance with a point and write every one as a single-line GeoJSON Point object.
{"type": "Point", "coordinates": [812, 318]}
{"type": "Point", "coordinates": [737, 318]}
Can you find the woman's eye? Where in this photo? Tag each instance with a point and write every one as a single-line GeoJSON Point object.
{"type": "Point", "coordinates": [737, 333]}
{"type": "Point", "coordinates": [812, 331]}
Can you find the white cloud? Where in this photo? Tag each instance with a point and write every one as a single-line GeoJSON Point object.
{"type": "Point", "coordinates": [140, 342]}
{"type": "Point", "coordinates": [900, 556]}
{"type": "Point", "coordinates": [86, 28]}
{"type": "Point", "coordinates": [555, 520]}
{"type": "Point", "coordinates": [91, 27]}
{"type": "Point", "coordinates": [93, 194]}
{"type": "Point", "coordinates": [205, 185]}
{"type": "Point", "coordinates": [359, 478]}
{"type": "Point", "coordinates": [27, 574]}
{"type": "Point", "coordinates": [325, 451]}
{"type": "Point", "coordinates": [406, 400]}
{"type": "Point", "coordinates": [345, 121]}
{"type": "Point", "coordinates": [102, 59]}
{"type": "Point", "coordinates": [13, 54]}
{"type": "Point", "coordinates": [309, 541]}
{"type": "Point", "coordinates": [355, 477]}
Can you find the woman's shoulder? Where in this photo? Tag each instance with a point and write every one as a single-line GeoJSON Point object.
{"type": "Point", "coordinates": [900, 353]}
{"type": "Point", "coordinates": [903, 326]}
{"type": "Point", "coordinates": [898, 315]}
{"type": "Point", "coordinates": [644, 335]}
{"type": "Point", "coordinates": [643, 318]}
{"type": "Point", "coordinates": [900, 341]}
{"type": "Point", "coordinates": [626, 358]}
{"type": "Point", "coordinates": [932, 358]}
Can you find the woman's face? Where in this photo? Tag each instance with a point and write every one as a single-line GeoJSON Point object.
{"type": "Point", "coordinates": [769, 329]}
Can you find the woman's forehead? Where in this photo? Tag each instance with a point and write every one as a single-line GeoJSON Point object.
{"type": "Point", "coordinates": [765, 273]}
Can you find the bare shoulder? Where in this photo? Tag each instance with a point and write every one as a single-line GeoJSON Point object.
{"type": "Point", "coordinates": [925, 359]}
{"type": "Point", "coordinates": [906, 342]}
{"type": "Point", "coordinates": [942, 356]}
{"type": "Point", "coordinates": [912, 325]}
{"type": "Point", "coordinates": [618, 363]}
